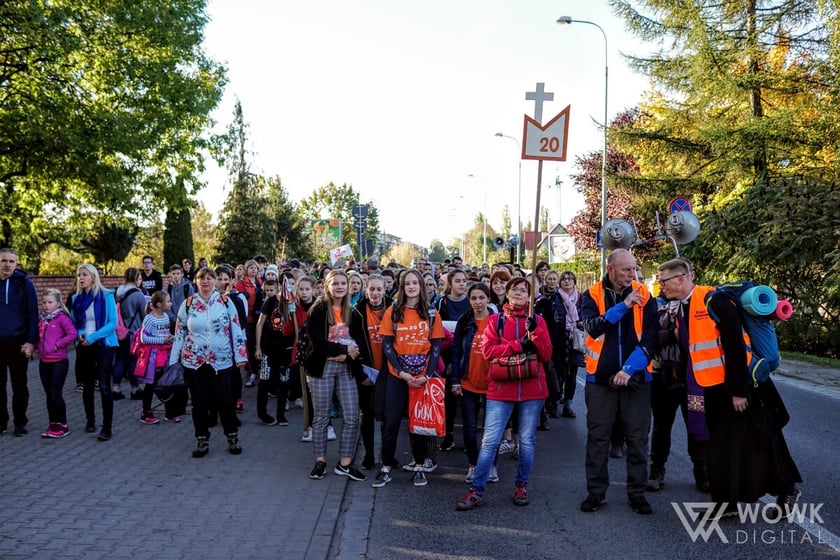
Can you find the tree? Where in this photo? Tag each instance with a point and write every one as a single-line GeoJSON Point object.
{"type": "Point", "coordinates": [330, 201]}
{"type": "Point", "coordinates": [203, 232]}
{"type": "Point", "coordinates": [177, 238]}
{"type": "Point", "coordinates": [402, 253]}
{"type": "Point", "coordinates": [104, 108]}
{"type": "Point", "coordinates": [437, 252]}
{"type": "Point", "coordinates": [245, 230]}
{"type": "Point", "coordinates": [289, 239]}
{"type": "Point", "coordinates": [110, 241]}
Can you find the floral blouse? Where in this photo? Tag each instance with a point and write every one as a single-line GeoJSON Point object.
{"type": "Point", "coordinates": [209, 333]}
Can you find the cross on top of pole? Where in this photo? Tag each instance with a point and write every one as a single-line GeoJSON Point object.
{"type": "Point", "coordinates": [538, 97]}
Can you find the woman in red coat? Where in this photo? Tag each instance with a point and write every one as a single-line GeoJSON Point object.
{"type": "Point", "coordinates": [509, 333]}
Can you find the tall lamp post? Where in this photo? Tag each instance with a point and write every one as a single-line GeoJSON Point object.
{"type": "Point", "coordinates": [518, 202]}
{"type": "Point", "coordinates": [567, 20]}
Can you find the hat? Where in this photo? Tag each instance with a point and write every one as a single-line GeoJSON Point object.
{"type": "Point", "coordinates": [294, 263]}
{"type": "Point", "coordinates": [272, 268]}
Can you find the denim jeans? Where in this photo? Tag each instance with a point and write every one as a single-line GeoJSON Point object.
{"type": "Point", "coordinates": [495, 420]}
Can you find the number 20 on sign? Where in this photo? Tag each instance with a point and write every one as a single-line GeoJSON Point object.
{"type": "Point", "coordinates": [546, 142]}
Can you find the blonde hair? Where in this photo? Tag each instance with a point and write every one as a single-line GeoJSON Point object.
{"type": "Point", "coordinates": [346, 309]}
{"type": "Point", "coordinates": [55, 294]}
{"type": "Point", "coordinates": [97, 283]}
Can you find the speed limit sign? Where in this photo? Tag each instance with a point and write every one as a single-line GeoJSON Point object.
{"type": "Point", "coordinates": [546, 142]}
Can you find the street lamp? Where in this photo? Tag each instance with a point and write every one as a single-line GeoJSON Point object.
{"type": "Point", "coordinates": [518, 203]}
{"type": "Point", "coordinates": [567, 20]}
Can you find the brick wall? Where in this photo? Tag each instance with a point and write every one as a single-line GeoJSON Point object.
{"type": "Point", "coordinates": [65, 283]}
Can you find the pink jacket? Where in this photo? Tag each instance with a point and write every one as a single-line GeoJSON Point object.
{"type": "Point", "coordinates": [56, 336]}
{"type": "Point", "coordinates": [507, 345]}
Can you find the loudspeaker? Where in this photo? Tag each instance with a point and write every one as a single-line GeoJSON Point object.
{"type": "Point", "coordinates": [617, 234]}
{"type": "Point", "coordinates": [682, 226]}
{"type": "Point", "coordinates": [499, 242]}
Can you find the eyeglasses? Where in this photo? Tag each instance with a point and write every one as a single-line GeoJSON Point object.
{"type": "Point", "coordinates": [664, 280]}
{"type": "Point", "coordinates": [567, 278]}
{"type": "Point", "coordinates": [519, 290]}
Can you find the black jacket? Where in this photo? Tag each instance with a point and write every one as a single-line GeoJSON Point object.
{"type": "Point", "coordinates": [317, 329]}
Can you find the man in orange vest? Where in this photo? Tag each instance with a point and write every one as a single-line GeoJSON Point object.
{"type": "Point", "coordinates": [723, 405]}
{"type": "Point", "coordinates": [621, 323]}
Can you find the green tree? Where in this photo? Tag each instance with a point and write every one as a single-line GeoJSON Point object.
{"type": "Point", "coordinates": [331, 201]}
{"type": "Point", "coordinates": [104, 108]}
{"type": "Point", "coordinates": [245, 229]}
{"type": "Point", "coordinates": [289, 238]}
{"type": "Point", "coordinates": [177, 238]}
{"type": "Point", "coordinates": [203, 233]}
{"type": "Point", "coordinates": [437, 252]}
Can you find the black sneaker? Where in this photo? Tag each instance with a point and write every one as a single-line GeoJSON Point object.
{"type": "Point", "coordinates": [350, 472]}
{"type": "Point", "coordinates": [318, 471]}
{"type": "Point", "coordinates": [787, 501]}
{"type": "Point", "coordinates": [90, 427]}
{"type": "Point", "coordinates": [20, 431]}
{"type": "Point", "coordinates": [448, 443]}
{"type": "Point", "coordinates": [104, 435]}
{"type": "Point", "coordinates": [383, 478]}
{"type": "Point", "coordinates": [368, 463]}
{"type": "Point", "coordinates": [639, 504]}
{"type": "Point", "coordinates": [593, 502]}
{"type": "Point", "coordinates": [234, 447]}
{"type": "Point", "coordinates": [282, 421]}
{"type": "Point", "coordinates": [202, 447]}
{"type": "Point", "coordinates": [268, 420]}
{"type": "Point", "coordinates": [656, 479]}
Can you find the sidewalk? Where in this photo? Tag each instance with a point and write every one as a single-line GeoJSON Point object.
{"type": "Point", "coordinates": [142, 495]}
{"type": "Point", "coordinates": [812, 373]}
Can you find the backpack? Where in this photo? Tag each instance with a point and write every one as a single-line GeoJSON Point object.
{"type": "Point", "coordinates": [750, 299]}
{"type": "Point", "coordinates": [136, 344]}
{"type": "Point", "coordinates": [122, 329]}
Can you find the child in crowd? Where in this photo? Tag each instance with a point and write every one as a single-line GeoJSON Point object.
{"type": "Point", "coordinates": [157, 343]}
{"type": "Point", "coordinates": [56, 333]}
{"type": "Point", "coordinates": [275, 338]}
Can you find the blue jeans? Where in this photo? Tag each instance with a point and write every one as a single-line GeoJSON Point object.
{"type": "Point", "coordinates": [495, 419]}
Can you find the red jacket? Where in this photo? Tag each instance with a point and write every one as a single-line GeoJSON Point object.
{"type": "Point", "coordinates": [508, 345]}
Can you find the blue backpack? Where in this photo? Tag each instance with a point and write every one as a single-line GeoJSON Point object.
{"type": "Point", "coordinates": [755, 304]}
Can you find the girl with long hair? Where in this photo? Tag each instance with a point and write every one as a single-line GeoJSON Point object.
{"type": "Point", "coordinates": [335, 332]}
{"type": "Point", "coordinates": [95, 318]}
{"type": "Point", "coordinates": [411, 340]}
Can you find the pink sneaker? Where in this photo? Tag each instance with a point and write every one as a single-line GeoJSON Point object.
{"type": "Point", "coordinates": [149, 418]}
{"type": "Point", "coordinates": [50, 430]}
{"type": "Point", "coordinates": [174, 419]}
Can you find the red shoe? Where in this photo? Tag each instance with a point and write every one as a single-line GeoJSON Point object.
{"type": "Point", "coordinates": [240, 406]}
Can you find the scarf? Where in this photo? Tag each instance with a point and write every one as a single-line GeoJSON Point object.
{"type": "Point", "coordinates": [80, 304]}
{"type": "Point", "coordinates": [570, 303]}
{"type": "Point", "coordinates": [512, 311]}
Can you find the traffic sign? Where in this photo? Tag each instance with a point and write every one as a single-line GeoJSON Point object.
{"type": "Point", "coordinates": [546, 142]}
{"type": "Point", "coordinates": [360, 211]}
{"type": "Point", "coordinates": [680, 204]}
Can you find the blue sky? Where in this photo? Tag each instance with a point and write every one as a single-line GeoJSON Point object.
{"type": "Point", "coordinates": [402, 99]}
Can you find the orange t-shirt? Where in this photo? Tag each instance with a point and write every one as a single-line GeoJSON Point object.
{"type": "Point", "coordinates": [374, 322]}
{"type": "Point", "coordinates": [476, 380]}
{"type": "Point", "coordinates": [412, 336]}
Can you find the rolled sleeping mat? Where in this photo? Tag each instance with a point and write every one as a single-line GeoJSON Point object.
{"type": "Point", "coordinates": [760, 300]}
{"type": "Point", "coordinates": [784, 310]}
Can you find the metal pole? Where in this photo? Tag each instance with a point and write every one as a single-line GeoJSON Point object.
{"type": "Point", "coordinates": [484, 242]}
{"type": "Point", "coordinates": [567, 20]}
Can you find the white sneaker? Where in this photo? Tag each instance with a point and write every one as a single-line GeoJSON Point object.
{"type": "Point", "coordinates": [470, 474]}
{"type": "Point", "coordinates": [494, 474]}
{"type": "Point", "coordinates": [330, 434]}
{"type": "Point", "coordinates": [507, 446]}
{"type": "Point", "coordinates": [252, 379]}
{"type": "Point", "coordinates": [307, 436]}
{"type": "Point", "coordinates": [287, 406]}
{"type": "Point", "coordinates": [299, 403]}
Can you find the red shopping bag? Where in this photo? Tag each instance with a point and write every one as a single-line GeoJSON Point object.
{"type": "Point", "coordinates": [426, 416]}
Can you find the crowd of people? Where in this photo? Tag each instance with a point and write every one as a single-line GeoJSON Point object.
{"type": "Point", "coordinates": [355, 342]}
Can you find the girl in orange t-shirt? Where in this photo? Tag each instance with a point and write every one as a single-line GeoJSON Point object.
{"type": "Point", "coordinates": [411, 340]}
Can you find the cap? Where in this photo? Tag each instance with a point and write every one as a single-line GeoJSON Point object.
{"type": "Point", "coordinates": [294, 263]}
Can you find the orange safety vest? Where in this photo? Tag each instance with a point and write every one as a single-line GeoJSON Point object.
{"type": "Point", "coordinates": [595, 345]}
{"type": "Point", "coordinates": [704, 348]}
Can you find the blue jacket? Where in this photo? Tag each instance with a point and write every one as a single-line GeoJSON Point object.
{"type": "Point", "coordinates": [107, 331]}
{"type": "Point", "coordinates": [462, 346]}
{"type": "Point", "coordinates": [18, 309]}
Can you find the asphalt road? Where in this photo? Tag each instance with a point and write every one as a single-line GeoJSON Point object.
{"type": "Point", "coordinates": [404, 522]}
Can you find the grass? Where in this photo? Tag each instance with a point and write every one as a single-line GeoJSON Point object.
{"type": "Point", "coordinates": [819, 360]}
